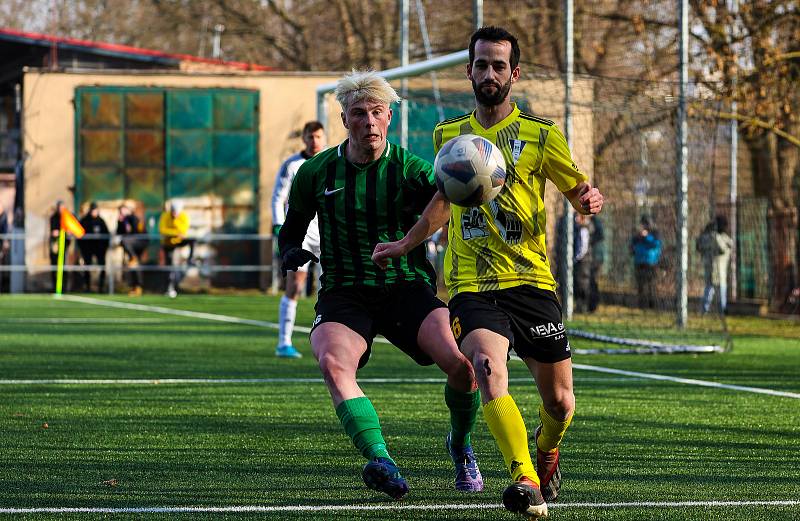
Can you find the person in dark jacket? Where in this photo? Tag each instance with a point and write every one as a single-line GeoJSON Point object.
{"type": "Point", "coordinates": [93, 248]}
{"type": "Point", "coordinates": [130, 229]}
{"type": "Point", "coordinates": [4, 243]}
{"type": "Point", "coordinates": [598, 248]}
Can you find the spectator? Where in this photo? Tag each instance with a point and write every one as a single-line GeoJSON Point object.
{"type": "Point", "coordinates": [173, 227]}
{"type": "Point", "coordinates": [4, 229]}
{"type": "Point", "coordinates": [715, 245]}
{"type": "Point", "coordinates": [598, 247]}
{"type": "Point", "coordinates": [581, 267]}
{"type": "Point", "coordinates": [646, 250]}
{"type": "Point", "coordinates": [93, 249]}
{"type": "Point", "coordinates": [130, 229]}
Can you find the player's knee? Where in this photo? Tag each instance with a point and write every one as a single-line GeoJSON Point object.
{"type": "Point", "coordinates": [460, 369]}
{"type": "Point", "coordinates": [561, 406]}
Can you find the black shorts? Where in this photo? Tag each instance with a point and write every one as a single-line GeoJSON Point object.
{"type": "Point", "coordinates": [529, 317]}
{"type": "Point", "coordinates": [395, 311]}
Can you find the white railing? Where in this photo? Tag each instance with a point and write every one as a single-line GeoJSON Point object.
{"type": "Point", "coordinates": [113, 267]}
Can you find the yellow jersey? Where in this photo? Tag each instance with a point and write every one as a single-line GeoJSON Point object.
{"type": "Point", "coordinates": [501, 244]}
{"type": "Point", "coordinates": [173, 229]}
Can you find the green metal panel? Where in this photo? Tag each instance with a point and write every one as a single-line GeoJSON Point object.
{"type": "Point", "coordinates": [100, 109]}
{"type": "Point", "coordinates": [236, 187]}
{"type": "Point", "coordinates": [100, 184]}
{"type": "Point", "coordinates": [237, 150]}
{"type": "Point", "coordinates": [212, 148]}
{"type": "Point", "coordinates": [152, 144]}
{"type": "Point", "coordinates": [190, 183]}
{"type": "Point", "coordinates": [120, 146]}
{"type": "Point", "coordinates": [189, 109]}
{"type": "Point", "coordinates": [146, 185]}
{"type": "Point", "coordinates": [101, 147]}
{"type": "Point", "coordinates": [144, 109]}
{"type": "Point", "coordinates": [235, 110]}
{"type": "Point", "coordinates": [189, 149]}
{"type": "Point", "coordinates": [144, 147]}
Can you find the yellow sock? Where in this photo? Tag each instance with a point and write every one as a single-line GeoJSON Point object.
{"type": "Point", "coordinates": [508, 428]}
{"type": "Point", "coordinates": [552, 431]}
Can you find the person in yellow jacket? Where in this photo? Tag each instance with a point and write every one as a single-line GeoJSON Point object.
{"type": "Point", "coordinates": [173, 225]}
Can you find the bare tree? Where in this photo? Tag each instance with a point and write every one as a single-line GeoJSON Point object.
{"type": "Point", "coordinates": [753, 56]}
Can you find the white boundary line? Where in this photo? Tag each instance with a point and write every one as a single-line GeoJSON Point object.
{"type": "Point", "coordinates": [178, 312]}
{"type": "Point", "coordinates": [688, 381]}
{"type": "Point", "coordinates": [272, 325]}
{"type": "Point", "coordinates": [157, 381]}
{"type": "Point", "coordinates": [44, 320]}
{"type": "Point", "coordinates": [395, 507]}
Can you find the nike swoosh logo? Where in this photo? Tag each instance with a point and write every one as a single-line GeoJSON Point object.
{"type": "Point", "coordinates": [331, 192]}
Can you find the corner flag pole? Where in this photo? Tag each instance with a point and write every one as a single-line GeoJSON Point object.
{"type": "Point", "coordinates": [68, 224]}
{"type": "Point", "coordinates": [60, 270]}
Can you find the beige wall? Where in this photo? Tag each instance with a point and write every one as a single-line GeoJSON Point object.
{"type": "Point", "coordinates": [287, 101]}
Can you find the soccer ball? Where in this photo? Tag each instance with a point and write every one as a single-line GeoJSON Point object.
{"type": "Point", "coordinates": [470, 170]}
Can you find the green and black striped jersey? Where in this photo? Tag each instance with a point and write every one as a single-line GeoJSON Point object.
{"type": "Point", "coordinates": [359, 206]}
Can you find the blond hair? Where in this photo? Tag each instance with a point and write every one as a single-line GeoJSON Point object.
{"type": "Point", "coordinates": [364, 85]}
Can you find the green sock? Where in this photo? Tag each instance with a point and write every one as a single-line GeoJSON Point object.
{"type": "Point", "coordinates": [463, 412]}
{"type": "Point", "coordinates": [360, 422]}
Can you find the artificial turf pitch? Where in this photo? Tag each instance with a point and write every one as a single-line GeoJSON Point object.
{"type": "Point", "coordinates": [150, 415]}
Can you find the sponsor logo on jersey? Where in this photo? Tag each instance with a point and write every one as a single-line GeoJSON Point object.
{"type": "Point", "coordinates": [317, 320]}
{"type": "Point", "coordinates": [331, 192]}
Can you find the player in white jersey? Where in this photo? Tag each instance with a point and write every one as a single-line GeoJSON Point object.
{"type": "Point", "coordinates": [314, 141]}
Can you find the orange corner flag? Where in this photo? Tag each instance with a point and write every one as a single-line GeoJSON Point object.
{"type": "Point", "coordinates": [70, 224]}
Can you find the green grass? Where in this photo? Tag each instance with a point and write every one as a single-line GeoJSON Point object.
{"type": "Point", "coordinates": [280, 444]}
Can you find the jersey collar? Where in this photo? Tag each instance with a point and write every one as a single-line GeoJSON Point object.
{"type": "Point", "coordinates": [340, 150]}
{"type": "Point", "coordinates": [474, 123]}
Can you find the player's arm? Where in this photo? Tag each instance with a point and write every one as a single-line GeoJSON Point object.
{"type": "Point", "coordinates": [434, 216]}
{"type": "Point", "coordinates": [561, 169]}
{"type": "Point", "coordinates": [298, 217]}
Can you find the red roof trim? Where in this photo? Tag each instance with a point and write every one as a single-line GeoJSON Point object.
{"type": "Point", "coordinates": [126, 49]}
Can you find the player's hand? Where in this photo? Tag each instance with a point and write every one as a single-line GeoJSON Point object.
{"type": "Point", "coordinates": [385, 251]}
{"type": "Point", "coordinates": [294, 258]}
{"type": "Point", "coordinates": [276, 230]}
{"type": "Point", "coordinates": [590, 199]}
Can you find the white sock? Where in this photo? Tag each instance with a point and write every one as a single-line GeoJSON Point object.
{"type": "Point", "coordinates": [288, 310]}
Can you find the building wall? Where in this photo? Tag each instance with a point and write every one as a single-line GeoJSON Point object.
{"type": "Point", "coordinates": [286, 102]}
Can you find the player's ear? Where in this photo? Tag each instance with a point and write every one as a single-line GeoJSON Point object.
{"type": "Point", "coordinates": [389, 116]}
{"type": "Point", "coordinates": [344, 120]}
{"type": "Point", "coordinates": [515, 74]}
{"type": "Point", "coordinates": [469, 71]}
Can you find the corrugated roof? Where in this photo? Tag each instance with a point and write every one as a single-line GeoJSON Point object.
{"type": "Point", "coordinates": [119, 51]}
